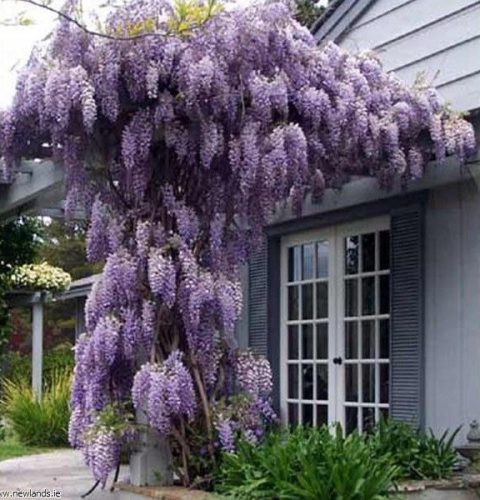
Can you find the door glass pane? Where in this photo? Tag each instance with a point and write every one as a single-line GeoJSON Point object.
{"type": "Point", "coordinates": [293, 413]}
{"type": "Point", "coordinates": [322, 259]}
{"type": "Point", "coordinates": [351, 340]}
{"type": "Point", "coordinates": [368, 339]}
{"type": "Point", "coordinates": [322, 415]}
{"type": "Point", "coordinates": [294, 263]}
{"type": "Point", "coordinates": [293, 302]}
{"type": "Point", "coordinates": [308, 261]}
{"type": "Point", "coordinates": [384, 382]}
{"type": "Point", "coordinates": [293, 342]}
{"type": "Point", "coordinates": [384, 250]}
{"type": "Point", "coordinates": [368, 296]}
{"type": "Point", "coordinates": [368, 419]}
{"type": "Point", "coordinates": [351, 298]}
{"type": "Point", "coordinates": [368, 383]}
{"type": "Point", "coordinates": [384, 332]}
{"type": "Point", "coordinates": [307, 301]}
{"type": "Point", "coordinates": [307, 341]}
{"type": "Point", "coordinates": [351, 419]}
{"type": "Point", "coordinates": [307, 381]}
{"type": "Point", "coordinates": [322, 382]}
{"type": "Point", "coordinates": [368, 252]}
{"type": "Point", "coordinates": [385, 294]}
{"type": "Point", "coordinates": [322, 300]}
{"type": "Point", "coordinates": [351, 255]}
{"type": "Point", "coordinates": [307, 415]}
{"type": "Point", "coordinates": [322, 341]}
{"type": "Point", "coordinates": [351, 382]}
{"type": "Point", "coordinates": [293, 381]}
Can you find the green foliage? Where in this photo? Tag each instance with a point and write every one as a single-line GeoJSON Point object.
{"type": "Point", "coordinates": [418, 455]}
{"type": "Point", "coordinates": [189, 14]}
{"type": "Point", "coordinates": [18, 367]}
{"type": "Point", "coordinates": [316, 463]}
{"type": "Point", "coordinates": [38, 423]}
{"type": "Point", "coordinates": [63, 245]}
{"type": "Point", "coordinates": [308, 11]}
{"type": "Point", "coordinates": [19, 243]}
{"type": "Point", "coordinates": [307, 463]}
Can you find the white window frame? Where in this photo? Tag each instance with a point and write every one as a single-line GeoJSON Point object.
{"type": "Point", "coordinates": [336, 291]}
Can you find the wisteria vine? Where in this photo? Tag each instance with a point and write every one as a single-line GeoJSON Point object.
{"type": "Point", "coordinates": [180, 148]}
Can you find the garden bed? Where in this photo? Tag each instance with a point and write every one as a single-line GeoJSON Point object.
{"type": "Point", "coordinates": [459, 487]}
{"type": "Point", "coordinates": [130, 492]}
{"type": "Point", "coordinates": [462, 486]}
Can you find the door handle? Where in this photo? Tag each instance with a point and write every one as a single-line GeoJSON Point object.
{"type": "Point", "coordinates": [337, 361]}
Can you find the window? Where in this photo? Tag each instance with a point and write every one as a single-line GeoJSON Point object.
{"type": "Point", "coordinates": [336, 326]}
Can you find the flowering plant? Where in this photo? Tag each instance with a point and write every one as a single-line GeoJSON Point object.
{"type": "Point", "coordinates": [40, 277]}
{"type": "Point", "coordinates": [180, 145]}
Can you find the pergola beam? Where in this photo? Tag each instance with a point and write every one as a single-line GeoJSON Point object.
{"type": "Point", "coordinates": [37, 183]}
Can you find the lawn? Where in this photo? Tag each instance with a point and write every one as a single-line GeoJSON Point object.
{"type": "Point", "coordinates": [10, 448]}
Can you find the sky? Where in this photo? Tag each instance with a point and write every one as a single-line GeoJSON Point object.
{"type": "Point", "coordinates": [16, 42]}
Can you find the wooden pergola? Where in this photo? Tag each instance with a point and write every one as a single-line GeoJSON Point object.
{"type": "Point", "coordinates": [78, 292]}
{"type": "Point", "coordinates": [38, 189]}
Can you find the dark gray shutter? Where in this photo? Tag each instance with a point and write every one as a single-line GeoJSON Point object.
{"type": "Point", "coordinates": [407, 310]}
{"type": "Point", "coordinates": [257, 301]}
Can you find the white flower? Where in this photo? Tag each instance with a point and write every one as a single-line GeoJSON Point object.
{"type": "Point", "coordinates": [40, 277]}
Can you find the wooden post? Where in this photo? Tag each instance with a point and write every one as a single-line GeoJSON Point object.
{"type": "Point", "coordinates": [37, 346]}
{"type": "Point", "coordinates": [79, 316]}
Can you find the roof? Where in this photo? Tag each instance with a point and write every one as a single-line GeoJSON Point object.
{"type": "Point", "coordinates": [338, 17]}
{"type": "Point", "coordinates": [80, 288]}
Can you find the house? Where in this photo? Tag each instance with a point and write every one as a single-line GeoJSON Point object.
{"type": "Point", "coordinates": [369, 304]}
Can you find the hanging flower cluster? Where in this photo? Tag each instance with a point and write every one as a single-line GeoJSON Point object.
{"type": "Point", "coordinates": [42, 277]}
{"type": "Point", "coordinates": [164, 392]}
{"type": "Point", "coordinates": [248, 413]}
{"type": "Point", "coordinates": [179, 148]}
{"type": "Point", "coordinates": [102, 441]}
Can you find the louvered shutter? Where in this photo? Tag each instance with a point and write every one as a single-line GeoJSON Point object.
{"type": "Point", "coordinates": [407, 313]}
{"type": "Point", "coordinates": [257, 301]}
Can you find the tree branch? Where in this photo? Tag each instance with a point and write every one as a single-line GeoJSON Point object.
{"type": "Point", "coordinates": [206, 407]}
{"type": "Point", "coordinates": [88, 31]}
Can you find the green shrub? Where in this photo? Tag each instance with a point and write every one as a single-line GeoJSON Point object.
{"type": "Point", "coordinates": [310, 464]}
{"type": "Point", "coordinates": [418, 455]}
{"type": "Point", "coordinates": [316, 463]}
{"type": "Point", "coordinates": [19, 366]}
{"type": "Point", "coordinates": [38, 423]}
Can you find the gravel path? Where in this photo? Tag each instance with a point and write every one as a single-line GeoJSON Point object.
{"type": "Point", "coordinates": [61, 470]}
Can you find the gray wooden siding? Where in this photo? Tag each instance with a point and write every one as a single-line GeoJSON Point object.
{"type": "Point", "coordinates": [452, 308]}
{"type": "Point", "coordinates": [440, 40]}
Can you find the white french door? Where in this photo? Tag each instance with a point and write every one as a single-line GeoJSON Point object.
{"type": "Point", "coordinates": [335, 312]}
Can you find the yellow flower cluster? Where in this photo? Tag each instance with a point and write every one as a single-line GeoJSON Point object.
{"type": "Point", "coordinates": [40, 277]}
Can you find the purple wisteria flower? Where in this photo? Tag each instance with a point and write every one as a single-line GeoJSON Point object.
{"type": "Point", "coordinates": [180, 148]}
{"type": "Point", "coordinates": [164, 391]}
